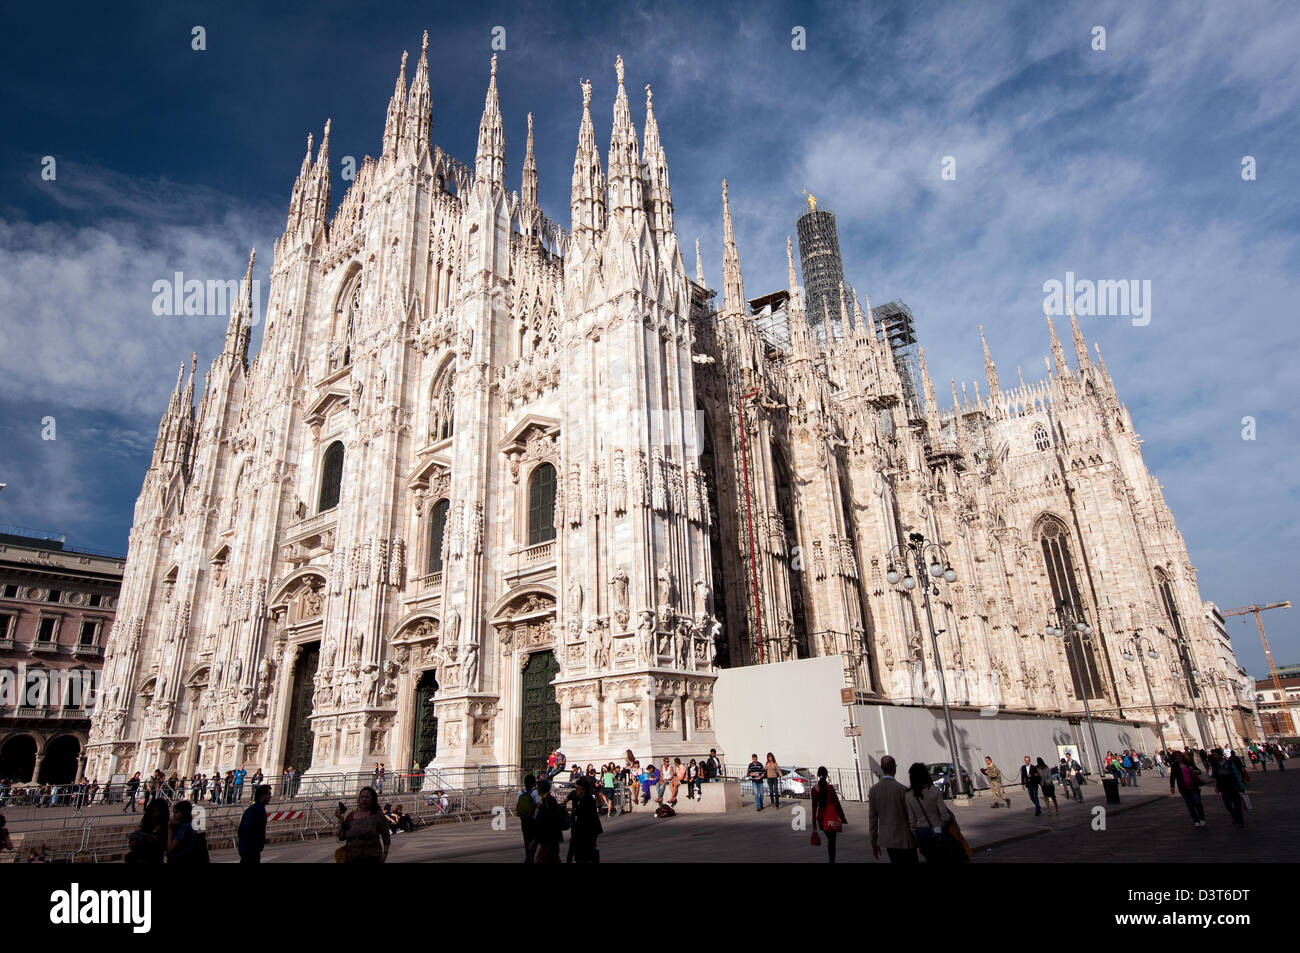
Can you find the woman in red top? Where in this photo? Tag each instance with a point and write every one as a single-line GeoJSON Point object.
{"type": "Point", "coordinates": [828, 816]}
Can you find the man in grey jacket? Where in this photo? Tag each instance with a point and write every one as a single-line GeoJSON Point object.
{"type": "Point", "coordinates": [888, 813]}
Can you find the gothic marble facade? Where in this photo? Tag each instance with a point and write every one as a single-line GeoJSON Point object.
{"type": "Point", "coordinates": [472, 437]}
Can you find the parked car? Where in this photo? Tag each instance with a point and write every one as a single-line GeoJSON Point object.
{"type": "Point", "coordinates": [941, 771]}
{"type": "Point", "coordinates": [797, 782]}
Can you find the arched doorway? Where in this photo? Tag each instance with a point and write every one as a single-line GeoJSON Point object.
{"type": "Point", "coordinates": [59, 764]}
{"type": "Point", "coordinates": [299, 738]}
{"type": "Point", "coordinates": [541, 721]}
{"type": "Point", "coordinates": [18, 758]}
{"type": "Point", "coordinates": [424, 744]}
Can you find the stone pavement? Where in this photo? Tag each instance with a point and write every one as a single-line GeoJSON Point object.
{"type": "Point", "coordinates": [1162, 831]}
{"type": "Point", "coordinates": [773, 835]}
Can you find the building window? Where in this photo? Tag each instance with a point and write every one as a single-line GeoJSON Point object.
{"type": "Point", "coordinates": [11, 592]}
{"type": "Point", "coordinates": [444, 407]}
{"type": "Point", "coordinates": [437, 534]}
{"type": "Point", "coordinates": [331, 477]}
{"type": "Point", "coordinates": [1041, 440]}
{"type": "Point", "coordinates": [7, 625]}
{"type": "Point", "coordinates": [1055, 540]}
{"type": "Point", "coordinates": [95, 600]}
{"type": "Point", "coordinates": [54, 595]}
{"type": "Point", "coordinates": [88, 632]}
{"type": "Point", "coordinates": [47, 630]}
{"type": "Point", "coordinates": [541, 505]}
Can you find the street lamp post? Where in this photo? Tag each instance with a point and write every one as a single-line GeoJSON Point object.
{"type": "Point", "coordinates": [915, 552]}
{"type": "Point", "coordinates": [1138, 639]}
{"type": "Point", "coordinates": [1071, 626]}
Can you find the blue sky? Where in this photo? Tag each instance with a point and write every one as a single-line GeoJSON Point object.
{"type": "Point", "coordinates": [1122, 163]}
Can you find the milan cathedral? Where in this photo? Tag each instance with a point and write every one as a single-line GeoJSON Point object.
{"type": "Point", "coordinates": [492, 486]}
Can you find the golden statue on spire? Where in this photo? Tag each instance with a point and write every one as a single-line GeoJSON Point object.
{"type": "Point", "coordinates": [812, 201]}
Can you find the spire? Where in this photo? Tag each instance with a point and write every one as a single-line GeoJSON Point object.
{"type": "Point", "coordinates": [1058, 352]}
{"type": "Point", "coordinates": [587, 201]}
{"type": "Point", "coordinates": [931, 404]}
{"type": "Point", "coordinates": [844, 314]}
{"type": "Point", "coordinates": [626, 192]}
{"type": "Point", "coordinates": [187, 401]}
{"type": "Point", "coordinates": [990, 370]}
{"type": "Point", "coordinates": [395, 122]}
{"type": "Point", "coordinates": [654, 166]}
{"type": "Point", "coordinates": [419, 103]}
{"type": "Point", "coordinates": [699, 265]}
{"type": "Point", "coordinates": [240, 326]}
{"type": "Point", "coordinates": [733, 289]}
{"type": "Point", "coordinates": [1080, 345]}
{"type": "Point", "coordinates": [958, 423]}
{"type": "Point", "coordinates": [528, 187]}
{"type": "Point", "coordinates": [490, 159]}
{"type": "Point", "coordinates": [316, 196]}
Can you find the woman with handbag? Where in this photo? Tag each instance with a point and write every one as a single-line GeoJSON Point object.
{"type": "Point", "coordinates": [930, 819]}
{"type": "Point", "coordinates": [828, 815]}
{"type": "Point", "coordinates": [364, 831]}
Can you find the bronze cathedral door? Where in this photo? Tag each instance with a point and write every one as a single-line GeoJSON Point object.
{"type": "Point", "coordinates": [298, 746]}
{"type": "Point", "coordinates": [425, 743]}
{"type": "Point", "coordinates": [541, 711]}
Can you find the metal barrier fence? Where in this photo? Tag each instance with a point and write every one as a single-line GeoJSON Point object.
{"type": "Point", "coordinates": [92, 838]}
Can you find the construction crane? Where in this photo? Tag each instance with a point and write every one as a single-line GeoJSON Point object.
{"type": "Point", "coordinates": [1268, 653]}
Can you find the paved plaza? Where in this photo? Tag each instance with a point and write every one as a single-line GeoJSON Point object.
{"type": "Point", "coordinates": [1148, 825]}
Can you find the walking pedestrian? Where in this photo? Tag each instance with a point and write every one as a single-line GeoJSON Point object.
{"type": "Point", "coordinates": [185, 845]}
{"type": "Point", "coordinates": [991, 771]}
{"type": "Point", "coordinates": [252, 826]}
{"type": "Point", "coordinates": [1229, 782]}
{"type": "Point", "coordinates": [756, 773]}
{"type": "Point", "coordinates": [550, 822]}
{"type": "Point", "coordinates": [1186, 779]}
{"type": "Point", "coordinates": [148, 844]}
{"type": "Point", "coordinates": [1030, 779]}
{"type": "Point", "coordinates": [887, 817]}
{"type": "Point", "coordinates": [929, 817]}
{"type": "Point", "coordinates": [1048, 786]}
{"type": "Point", "coordinates": [773, 773]}
{"type": "Point", "coordinates": [828, 815]}
{"type": "Point", "coordinates": [1281, 757]}
{"type": "Point", "coordinates": [364, 830]}
{"type": "Point", "coordinates": [525, 808]}
{"type": "Point", "coordinates": [132, 787]}
{"type": "Point", "coordinates": [585, 825]}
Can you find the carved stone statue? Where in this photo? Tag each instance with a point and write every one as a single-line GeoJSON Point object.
{"type": "Point", "coordinates": [470, 666]}
{"type": "Point", "coordinates": [664, 591]}
{"type": "Point", "coordinates": [618, 584]}
{"type": "Point", "coordinates": [703, 598]}
{"type": "Point", "coordinates": [453, 627]}
{"type": "Point", "coordinates": [574, 603]}
{"type": "Point", "coordinates": [645, 635]}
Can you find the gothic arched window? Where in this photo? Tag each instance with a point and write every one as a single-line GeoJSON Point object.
{"type": "Point", "coordinates": [541, 505]}
{"type": "Point", "coordinates": [1055, 540]}
{"type": "Point", "coordinates": [443, 420]}
{"type": "Point", "coordinates": [346, 315]}
{"type": "Point", "coordinates": [1041, 440]}
{"type": "Point", "coordinates": [331, 477]}
{"type": "Point", "coordinates": [437, 533]}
